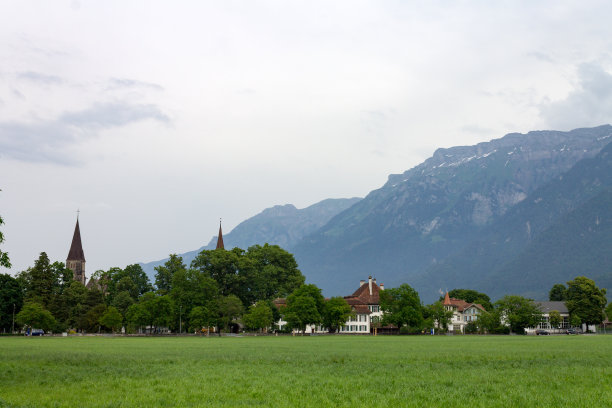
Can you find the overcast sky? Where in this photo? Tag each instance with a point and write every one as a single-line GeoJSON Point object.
{"type": "Point", "coordinates": [155, 119]}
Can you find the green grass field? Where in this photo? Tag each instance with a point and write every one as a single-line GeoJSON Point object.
{"type": "Point", "coordinates": [475, 371]}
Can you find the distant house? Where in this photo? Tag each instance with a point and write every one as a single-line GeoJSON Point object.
{"type": "Point", "coordinates": [546, 308]}
{"type": "Point", "coordinates": [463, 313]}
{"type": "Point", "coordinates": [365, 303]}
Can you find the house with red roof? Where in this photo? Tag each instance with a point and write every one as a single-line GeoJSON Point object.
{"type": "Point", "coordinates": [463, 313]}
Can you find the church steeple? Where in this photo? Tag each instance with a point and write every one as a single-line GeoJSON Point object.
{"type": "Point", "coordinates": [76, 256]}
{"type": "Point", "coordinates": [220, 238]}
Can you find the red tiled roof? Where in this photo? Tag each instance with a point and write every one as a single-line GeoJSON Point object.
{"type": "Point", "coordinates": [461, 305]}
{"type": "Point", "coordinates": [361, 309]}
{"type": "Point", "coordinates": [363, 294]}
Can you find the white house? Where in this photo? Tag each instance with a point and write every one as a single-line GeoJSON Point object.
{"type": "Point", "coordinates": [364, 302]}
{"type": "Point", "coordinates": [463, 313]}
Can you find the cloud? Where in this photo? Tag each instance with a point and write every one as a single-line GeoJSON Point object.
{"type": "Point", "coordinates": [46, 141]}
{"type": "Point", "coordinates": [40, 78]}
{"type": "Point", "coordinates": [121, 83]}
{"type": "Point", "coordinates": [589, 104]}
{"type": "Point", "coordinates": [109, 115]}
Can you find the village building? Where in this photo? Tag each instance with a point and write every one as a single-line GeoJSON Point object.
{"type": "Point", "coordinates": [364, 302]}
{"type": "Point", "coordinates": [463, 313]}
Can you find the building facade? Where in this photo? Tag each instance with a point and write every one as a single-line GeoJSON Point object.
{"type": "Point", "coordinates": [463, 313]}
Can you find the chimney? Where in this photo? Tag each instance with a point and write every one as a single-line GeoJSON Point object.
{"type": "Point", "coordinates": [370, 284]}
{"type": "Point", "coordinates": [374, 280]}
{"type": "Point", "coordinates": [382, 286]}
{"type": "Point", "coordinates": [361, 283]}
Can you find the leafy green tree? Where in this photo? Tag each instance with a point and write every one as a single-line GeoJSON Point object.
{"type": "Point", "coordinates": [122, 302]}
{"type": "Point", "coordinates": [111, 319]}
{"type": "Point", "coordinates": [519, 312]}
{"type": "Point", "coordinates": [609, 312]}
{"type": "Point", "coordinates": [44, 281]}
{"type": "Point", "coordinates": [586, 300]}
{"type": "Point", "coordinates": [11, 300]}
{"type": "Point", "coordinates": [557, 293]}
{"type": "Point", "coordinates": [138, 315]}
{"type": "Point", "coordinates": [259, 316]}
{"type": "Point", "coordinates": [575, 321]}
{"type": "Point", "coordinates": [301, 311]}
{"type": "Point", "coordinates": [313, 292]}
{"type": "Point", "coordinates": [92, 317]}
{"type": "Point", "coordinates": [4, 258]}
{"type": "Point", "coordinates": [35, 316]}
{"type": "Point", "coordinates": [554, 318]}
{"type": "Point", "coordinates": [192, 288]}
{"type": "Point", "coordinates": [471, 296]}
{"type": "Point", "coordinates": [164, 273]}
{"type": "Point", "coordinates": [229, 308]}
{"type": "Point", "coordinates": [222, 266]}
{"type": "Point", "coordinates": [335, 313]}
{"type": "Point", "coordinates": [200, 317]}
{"type": "Point", "coordinates": [489, 322]}
{"type": "Point", "coordinates": [438, 313]}
{"type": "Point", "coordinates": [268, 272]}
{"type": "Point", "coordinates": [402, 307]}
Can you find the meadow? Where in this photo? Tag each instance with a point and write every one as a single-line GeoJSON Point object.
{"type": "Point", "coordinates": [451, 371]}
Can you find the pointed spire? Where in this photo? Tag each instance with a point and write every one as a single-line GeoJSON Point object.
{"type": "Point", "coordinates": [220, 238]}
{"type": "Point", "coordinates": [76, 248]}
{"type": "Point", "coordinates": [447, 301]}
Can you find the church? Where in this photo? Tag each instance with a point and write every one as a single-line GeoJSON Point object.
{"type": "Point", "coordinates": [76, 257]}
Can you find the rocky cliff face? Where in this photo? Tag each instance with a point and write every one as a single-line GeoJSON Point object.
{"type": "Point", "coordinates": [420, 217]}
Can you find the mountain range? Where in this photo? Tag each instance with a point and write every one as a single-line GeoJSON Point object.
{"type": "Point", "coordinates": [513, 215]}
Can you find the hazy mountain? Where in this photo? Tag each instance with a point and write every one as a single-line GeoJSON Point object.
{"type": "Point", "coordinates": [282, 225]}
{"type": "Point", "coordinates": [421, 217]}
{"type": "Point", "coordinates": [562, 230]}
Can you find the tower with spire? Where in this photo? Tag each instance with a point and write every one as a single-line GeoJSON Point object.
{"type": "Point", "coordinates": [76, 256]}
{"type": "Point", "coordinates": [220, 238]}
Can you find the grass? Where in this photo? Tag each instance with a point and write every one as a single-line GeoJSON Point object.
{"type": "Point", "coordinates": [417, 371]}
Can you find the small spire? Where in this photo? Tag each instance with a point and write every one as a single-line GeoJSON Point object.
{"type": "Point", "coordinates": [447, 301]}
{"type": "Point", "coordinates": [76, 248]}
{"type": "Point", "coordinates": [220, 237]}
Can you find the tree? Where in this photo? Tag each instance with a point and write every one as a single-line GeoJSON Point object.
{"type": "Point", "coordinates": [301, 311]}
{"type": "Point", "coordinates": [164, 274]}
{"type": "Point", "coordinates": [554, 318]}
{"type": "Point", "coordinates": [137, 315]}
{"type": "Point", "coordinates": [92, 317]}
{"type": "Point", "coordinates": [36, 316]}
{"type": "Point", "coordinates": [335, 313]}
{"type": "Point", "coordinates": [44, 280]}
{"type": "Point", "coordinates": [111, 319]}
{"type": "Point", "coordinates": [402, 307]}
{"type": "Point", "coordinates": [471, 296]}
{"type": "Point", "coordinates": [438, 313]}
{"type": "Point", "coordinates": [222, 266]}
{"type": "Point", "coordinates": [489, 322]}
{"type": "Point", "coordinates": [268, 272]}
{"type": "Point", "coordinates": [122, 302]}
{"type": "Point", "coordinates": [586, 300]}
{"type": "Point", "coordinates": [4, 258]}
{"type": "Point", "coordinates": [259, 316]}
{"type": "Point", "coordinates": [575, 321]}
{"type": "Point", "coordinates": [557, 293]}
{"type": "Point", "coordinates": [313, 292]}
{"type": "Point", "coordinates": [519, 312]}
{"type": "Point", "coordinates": [229, 308]}
{"type": "Point", "coordinates": [609, 312]}
{"type": "Point", "coordinates": [192, 288]}
{"type": "Point", "coordinates": [11, 300]}
{"type": "Point", "coordinates": [200, 317]}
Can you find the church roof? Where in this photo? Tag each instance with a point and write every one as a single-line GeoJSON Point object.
{"type": "Point", "coordinates": [76, 248]}
{"type": "Point", "coordinates": [220, 238]}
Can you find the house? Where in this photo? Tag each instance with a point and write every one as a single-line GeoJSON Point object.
{"type": "Point", "coordinates": [365, 304]}
{"type": "Point", "coordinates": [463, 313]}
{"type": "Point", "coordinates": [546, 308]}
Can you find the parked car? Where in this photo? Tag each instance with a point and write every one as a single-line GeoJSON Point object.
{"type": "Point", "coordinates": [542, 332]}
{"type": "Point", "coordinates": [573, 330]}
{"type": "Point", "coordinates": [37, 332]}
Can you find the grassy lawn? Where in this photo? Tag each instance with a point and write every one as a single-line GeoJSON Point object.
{"type": "Point", "coordinates": [473, 371]}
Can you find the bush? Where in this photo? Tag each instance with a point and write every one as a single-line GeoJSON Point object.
{"type": "Point", "coordinates": [500, 330]}
{"type": "Point", "coordinates": [471, 328]}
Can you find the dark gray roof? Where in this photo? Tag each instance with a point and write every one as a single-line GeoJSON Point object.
{"type": "Point", "coordinates": [547, 307]}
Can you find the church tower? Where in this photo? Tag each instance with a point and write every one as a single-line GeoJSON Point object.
{"type": "Point", "coordinates": [76, 257]}
{"type": "Point", "coordinates": [220, 238]}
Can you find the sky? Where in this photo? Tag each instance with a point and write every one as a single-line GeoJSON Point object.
{"type": "Point", "coordinates": [156, 119]}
